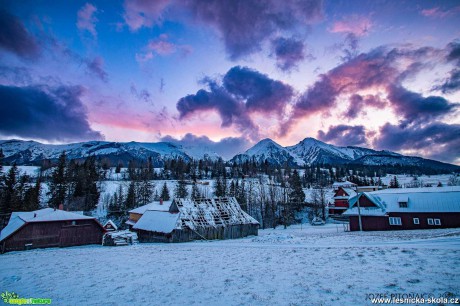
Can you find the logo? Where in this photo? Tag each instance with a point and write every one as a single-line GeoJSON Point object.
{"type": "Point", "coordinates": [14, 299]}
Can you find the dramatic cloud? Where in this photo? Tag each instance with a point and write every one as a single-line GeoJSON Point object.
{"type": "Point", "coordinates": [244, 91]}
{"type": "Point", "coordinates": [415, 108]}
{"type": "Point", "coordinates": [344, 135]}
{"type": "Point", "coordinates": [143, 13]}
{"type": "Point", "coordinates": [15, 38]}
{"type": "Point", "coordinates": [381, 68]}
{"type": "Point", "coordinates": [86, 20]}
{"type": "Point", "coordinates": [436, 140]}
{"type": "Point", "coordinates": [357, 25]}
{"type": "Point", "coordinates": [452, 82]}
{"type": "Point", "coordinates": [246, 24]}
{"type": "Point", "coordinates": [226, 147]}
{"type": "Point", "coordinates": [288, 52]}
{"type": "Point", "coordinates": [96, 67]}
{"type": "Point", "coordinates": [358, 103]}
{"type": "Point", "coordinates": [259, 92]}
{"type": "Point", "coordinates": [52, 114]}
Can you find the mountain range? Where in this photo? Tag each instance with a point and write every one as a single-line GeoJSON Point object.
{"type": "Point", "coordinates": [309, 151]}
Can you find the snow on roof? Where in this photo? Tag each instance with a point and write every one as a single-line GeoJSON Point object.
{"type": "Point", "coordinates": [111, 223]}
{"type": "Point", "coordinates": [211, 212]}
{"type": "Point", "coordinates": [18, 219]}
{"type": "Point", "coordinates": [350, 192]}
{"type": "Point", "coordinates": [340, 184]}
{"type": "Point", "coordinates": [158, 221]}
{"type": "Point", "coordinates": [437, 199]}
{"type": "Point", "coordinates": [152, 206]}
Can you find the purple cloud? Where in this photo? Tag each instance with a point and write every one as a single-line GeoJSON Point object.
{"type": "Point", "coordinates": [437, 140]}
{"type": "Point", "coordinates": [143, 13]}
{"type": "Point", "coordinates": [289, 52]}
{"type": "Point", "coordinates": [96, 67]}
{"type": "Point", "coordinates": [246, 24]}
{"type": "Point", "coordinates": [259, 92]}
{"type": "Point", "coordinates": [51, 114]}
{"type": "Point", "coordinates": [86, 20]}
{"type": "Point", "coordinates": [15, 38]}
{"type": "Point", "coordinates": [358, 103]}
{"type": "Point", "coordinates": [344, 135]}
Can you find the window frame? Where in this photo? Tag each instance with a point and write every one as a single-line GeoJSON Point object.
{"type": "Point", "coordinates": [402, 204]}
{"type": "Point", "coordinates": [437, 221]}
{"type": "Point", "coordinates": [395, 221]}
{"type": "Point", "coordinates": [430, 221]}
{"type": "Point", "coordinates": [416, 221]}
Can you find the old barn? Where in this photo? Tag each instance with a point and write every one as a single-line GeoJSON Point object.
{"type": "Point", "coordinates": [49, 228]}
{"type": "Point", "coordinates": [401, 209]}
{"type": "Point", "coordinates": [187, 220]}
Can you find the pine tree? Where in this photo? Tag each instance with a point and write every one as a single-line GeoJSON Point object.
{"type": "Point", "coordinates": [195, 192]}
{"type": "Point", "coordinates": [130, 201]}
{"type": "Point", "coordinates": [220, 187]}
{"type": "Point", "coordinates": [58, 184]}
{"type": "Point", "coordinates": [394, 183]}
{"type": "Point", "coordinates": [181, 190]}
{"type": "Point", "coordinates": [296, 194]}
{"type": "Point", "coordinates": [11, 198]}
{"type": "Point", "coordinates": [165, 193]}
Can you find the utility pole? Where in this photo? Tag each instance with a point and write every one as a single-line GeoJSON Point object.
{"type": "Point", "coordinates": [359, 214]}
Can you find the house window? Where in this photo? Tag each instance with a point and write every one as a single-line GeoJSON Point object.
{"type": "Point", "coordinates": [416, 221]}
{"type": "Point", "coordinates": [395, 221]}
{"type": "Point", "coordinates": [403, 204]}
{"type": "Point", "coordinates": [430, 221]}
{"type": "Point", "coordinates": [74, 222]}
{"type": "Point", "coordinates": [437, 221]}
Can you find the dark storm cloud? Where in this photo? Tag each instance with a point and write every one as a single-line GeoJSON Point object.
{"type": "Point", "coordinates": [358, 103]}
{"type": "Point", "coordinates": [226, 147]}
{"type": "Point", "coordinates": [413, 107]}
{"type": "Point", "coordinates": [231, 111]}
{"type": "Point", "coordinates": [246, 24]}
{"type": "Point", "coordinates": [437, 140]}
{"type": "Point", "coordinates": [289, 52]}
{"type": "Point", "coordinates": [344, 135]}
{"type": "Point", "coordinates": [244, 91]}
{"type": "Point", "coordinates": [260, 93]}
{"type": "Point", "coordinates": [53, 114]}
{"type": "Point", "coordinates": [15, 38]}
{"type": "Point", "coordinates": [452, 82]}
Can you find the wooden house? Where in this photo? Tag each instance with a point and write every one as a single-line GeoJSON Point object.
{"type": "Point", "coordinates": [187, 220]}
{"type": "Point", "coordinates": [136, 214]}
{"type": "Point", "coordinates": [341, 197]}
{"type": "Point", "coordinates": [401, 209]}
{"type": "Point", "coordinates": [110, 226]}
{"type": "Point", "coordinates": [49, 228]}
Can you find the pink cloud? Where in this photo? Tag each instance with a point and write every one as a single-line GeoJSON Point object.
{"type": "Point", "coordinates": [437, 12]}
{"type": "Point", "coordinates": [86, 20]}
{"type": "Point", "coordinates": [162, 47]}
{"type": "Point", "coordinates": [358, 25]}
{"type": "Point", "coordinates": [143, 13]}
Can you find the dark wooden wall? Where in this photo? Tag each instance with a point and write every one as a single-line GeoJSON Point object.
{"type": "Point", "coordinates": [54, 234]}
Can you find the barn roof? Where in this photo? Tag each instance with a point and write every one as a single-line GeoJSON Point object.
{"type": "Point", "coordinates": [19, 219]}
{"type": "Point", "coordinates": [211, 212]}
{"type": "Point", "coordinates": [158, 221]}
{"type": "Point", "coordinates": [424, 200]}
{"type": "Point", "coordinates": [152, 206]}
{"type": "Point", "coordinates": [343, 184]}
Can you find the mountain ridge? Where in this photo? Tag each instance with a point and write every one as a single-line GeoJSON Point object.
{"type": "Point", "coordinates": [308, 151]}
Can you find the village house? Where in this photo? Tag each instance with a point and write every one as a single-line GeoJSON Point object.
{"type": "Point", "coordinates": [136, 214]}
{"type": "Point", "coordinates": [401, 209]}
{"type": "Point", "coordinates": [341, 197]}
{"type": "Point", "coordinates": [187, 220]}
{"type": "Point", "coordinates": [345, 184]}
{"type": "Point", "coordinates": [49, 228]}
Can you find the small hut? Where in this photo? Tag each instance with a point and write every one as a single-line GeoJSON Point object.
{"type": "Point", "coordinates": [110, 226]}
{"type": "Point", "coordinates": [49, 228]}
{"type": "Point", "coordinates": [187, 220]}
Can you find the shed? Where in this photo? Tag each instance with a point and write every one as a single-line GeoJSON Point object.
{"type": "Point", "coordinates": [49, 228]}
{"type": "Point", "coordinates": [187, 220]}
{"type": "Point", "coordinates": [110, 226]}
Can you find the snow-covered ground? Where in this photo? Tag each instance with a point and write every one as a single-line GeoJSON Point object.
{"type": "Point", "coordinates": [310, 266]}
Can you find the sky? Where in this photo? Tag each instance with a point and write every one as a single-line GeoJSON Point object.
{"type": "Point", "coordinates": [227, 74]}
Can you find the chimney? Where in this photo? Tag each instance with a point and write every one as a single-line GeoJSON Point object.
{"type": "Point", "coordinates": [35, 215]}
{"type": "Point", "coordinates": [161, 201]}
{"type": "Point", "coordinates": [61, 206]}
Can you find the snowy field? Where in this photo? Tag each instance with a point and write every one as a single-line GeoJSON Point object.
{"type": "Point", "coordinates": [308, 266]}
